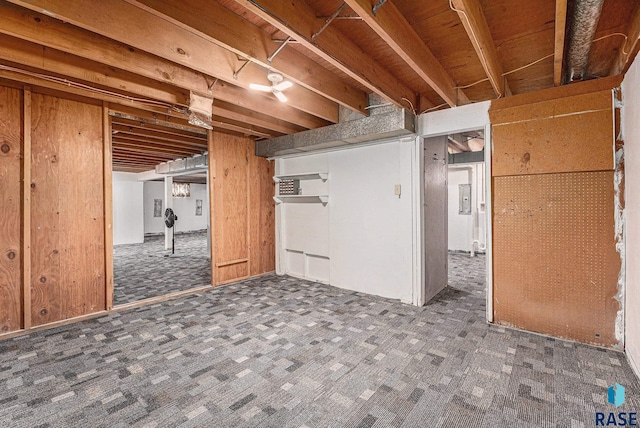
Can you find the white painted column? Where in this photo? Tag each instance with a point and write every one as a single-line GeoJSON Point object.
{"type": "Point", "coordinates": [168, 203]}
{"type": "Point", "coordinates": [206, 204]}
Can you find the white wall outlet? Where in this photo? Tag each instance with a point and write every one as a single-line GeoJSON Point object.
{"type": "Point", "coordinates": [397, 190]}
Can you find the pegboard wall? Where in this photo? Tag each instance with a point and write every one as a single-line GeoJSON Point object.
{"type": "Point", "coordinates": [555, 265]}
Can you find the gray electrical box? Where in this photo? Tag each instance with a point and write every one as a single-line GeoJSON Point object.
{"type": "Point", "coordinates": [464, 207]}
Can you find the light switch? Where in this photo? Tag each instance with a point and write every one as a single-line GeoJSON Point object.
{"type": "Point", "coordinates": [397, 190]}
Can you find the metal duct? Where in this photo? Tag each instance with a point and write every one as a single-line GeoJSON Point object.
{"type": "Point", "coordinates": [586, 14]}
{"type": "Point", "coordinates": [380, 125]}
{"type": "Point", "coordinates": [194, 163]}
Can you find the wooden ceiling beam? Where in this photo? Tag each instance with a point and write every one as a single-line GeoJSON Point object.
{"type": "Point", "coordinates": [124, 147]}
{"type": "Point", "coordinates": [220, 25]}
{"type": "Point", "coordinates": [47, 61]}
{"type": "Point", "coordinates": [560, 33]}
{"type": "Point", "coordinates": [129, 24]}
{"type": "Point", "coordinates": [46, 31]}
{"type": "Point", "coordinates": [64, 64]}
{"type": "Point", "coordinates": [225, 110]}
{"type": "Point", "coordinates": [630, 48]}
{"type": "Point", "coordinates": [395, 30]}
{"type": "Point", "coordinates": [160, 130]}
{"type": "Point", "coordinates": [128, 112]}
{"type": "Point", "coordinates": [142, 141]}
{"type": "Point", "coordinates": [122, 136]}
{"type": "Point", "coordinates": [158, 136]}
{"type": "Point", "coordinates": [298, 20]}
{"type": "Point", "coordinates": [475, 24]}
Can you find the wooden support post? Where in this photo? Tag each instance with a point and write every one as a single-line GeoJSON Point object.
{"type": "Point", "coordinates": [108, 206]}
{"type": "Point", "coordinates": [212, 223]}
{"type": "Point", "coordinates": [26, 209]}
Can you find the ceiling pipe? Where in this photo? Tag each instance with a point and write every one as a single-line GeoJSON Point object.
{"type": "Point", "coordinates": [584, 21]}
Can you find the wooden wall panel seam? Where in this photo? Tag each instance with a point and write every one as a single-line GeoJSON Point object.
{"type": "Point", "coordinates": [26, 209]}
{"type": "Point", "coordinates": [108, 205]}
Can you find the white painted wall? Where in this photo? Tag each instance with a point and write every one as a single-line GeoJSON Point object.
{"type": "Point", "coordinates": [185, 208]}
{"type": "Point", "coordinates": [128, 219]}
{"type": "Point", "coordinates": [631, 136]}
{"type": "Point", "coordinates": [362, 239]}
{"type": "Point", "coordinates": [461, 227]}
{"type": "Point", "coordinates": [470, 117]}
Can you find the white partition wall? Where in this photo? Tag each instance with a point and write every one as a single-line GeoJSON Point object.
{"type": "Point", "coordinates": [631, 136]}
{"type": "Point", "coordinates": [361, 239]}
{"type": "Point", "coordinates": [128, 218]}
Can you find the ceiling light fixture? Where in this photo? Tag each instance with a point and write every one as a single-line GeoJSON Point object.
{"type": "Point", "coordinates": [278, 84]}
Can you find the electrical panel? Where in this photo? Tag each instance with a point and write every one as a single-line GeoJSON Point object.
{"type": "Point", "coordinates": [464, 207]}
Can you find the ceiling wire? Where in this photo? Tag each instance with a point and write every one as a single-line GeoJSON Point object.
{"type": "Point", "coordinates": [413, 110]}
{"type": "Point", "coordinates": [73, 84]}
{"type": "Point", "coordinates": [624, 45]}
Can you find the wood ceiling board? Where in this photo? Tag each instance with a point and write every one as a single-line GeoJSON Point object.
{"type": "Point", "coordinates": [397, 32]}
{"type": "Point", "coordinates": [523, 32]}
{"type": "Point", "coordinates": [626, 57]}
{"type": "Point", "coordinates": [227, 29]}
{"type": "Point", "coordinates": [523, 51]}
{"type": "Point", "coordinates": [513, 19]}
{"type": "Point", "coordinates": [300, 20]}
{"type": "Point", "coordinates": [615, 18]}
{"type": "Point", "coordinates": [47, 31]}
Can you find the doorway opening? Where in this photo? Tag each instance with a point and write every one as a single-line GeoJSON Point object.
{"type": "Point", "coordinates": [466, 213]}
{"type": "Point", "coordinates": [151, 259]}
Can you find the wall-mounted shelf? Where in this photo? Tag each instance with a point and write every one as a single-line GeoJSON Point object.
{"type": "Point", "coordinates": [305, 176]}
{"type": "Point", "coordinates": [324, 199]}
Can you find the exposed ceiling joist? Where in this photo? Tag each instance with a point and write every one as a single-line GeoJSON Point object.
{"type": "Point", "coordinates": [135, 147]}
{"type": "Point", "coordinates": [220, 25]}
{"type": "Point", "coordinates": [298, 20]}
{"type": "Point", "coordinates": [119, 113]}
{"type": "Point", "coordinates": [129, 24]}
{"type": "Point", "coordinates": [54, 61]}
{"type": "Point", "coordinates": [118, 128]}
{"type": "Point", "coordinates": [144, 140]}
{"type": "Point", "coordinates": [393, 28]}
{"type": "Point", "coordinates": [475, 24]}
{"type": "Point", "coordinates": [630, 47]}
{"type": "Point", "coordinates": [46, 31]}
{"type": "Point", "coordinates": [50, 61]}
{"type": "Point", "coordinates": [161, 130]}
{"type": "Point", "coordinates": [560, 32]}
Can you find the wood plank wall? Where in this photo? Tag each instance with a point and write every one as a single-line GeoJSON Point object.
{"type": "Point", "coordinates": [10, 209]}
{"type": "Point", "coordinates": [555, 263]}
{"type": "Point", "coordinates": [54, 215]}
{"type": "Point", "coordinates": [67, 214]}
{"type": "Point", "coordinates": [241, 197]}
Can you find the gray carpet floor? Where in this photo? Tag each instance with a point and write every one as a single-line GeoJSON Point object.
{"type": "Point", "coordinates": [281, 352]}
{"type": "Point", "coordinates": [141, 271]}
